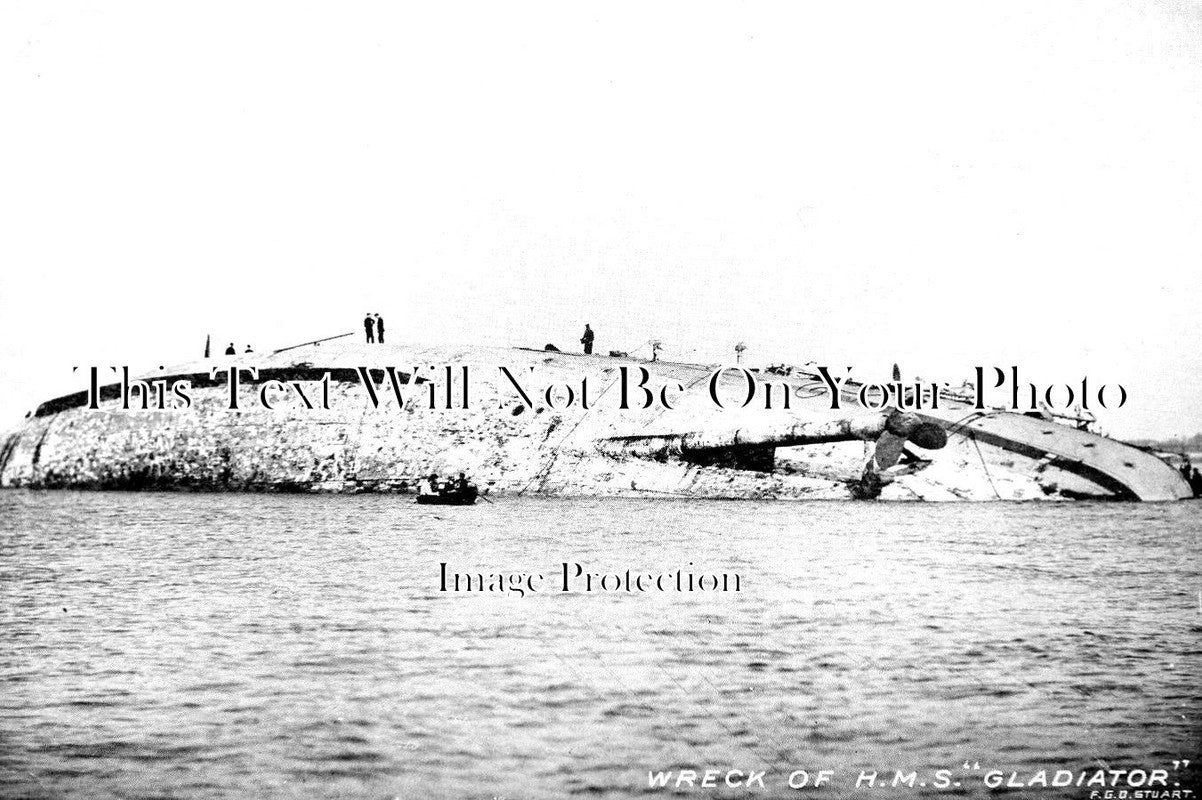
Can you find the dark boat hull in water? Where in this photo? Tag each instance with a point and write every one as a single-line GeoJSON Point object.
{"type": "Point", "coordinates": [464, 498]}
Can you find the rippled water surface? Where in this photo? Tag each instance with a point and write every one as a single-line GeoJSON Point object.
{"type": "Point", "coordinates": [164, 645]}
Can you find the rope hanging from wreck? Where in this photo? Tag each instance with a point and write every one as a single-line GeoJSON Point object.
{"type": "Point", "coordinates": [961, 423]}
{"type": "Point", "coordinates": [984, 465]}
{"type": "Point", "coordinates": [960, 427]}
{"type": "Point", "coordinates": [541, 475]}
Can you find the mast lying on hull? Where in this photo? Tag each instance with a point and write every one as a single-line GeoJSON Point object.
{"type": "Point", "coordinates": [754, 446]}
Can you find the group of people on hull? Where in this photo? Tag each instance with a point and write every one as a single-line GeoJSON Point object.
{"type": "Point", "coordinates": [373, 328]}
{"type": "Point", "coordinates": [229, 351]}
{"type": "Point", "coordinates": [433, 486]}
{"type": "Point", "coordinates": [373, 332]}
{"type": "Point", "coordinates": [1191, 474]}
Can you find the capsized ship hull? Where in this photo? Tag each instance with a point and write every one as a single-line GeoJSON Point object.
{"type": "Point", "coordinates": [694, 449]}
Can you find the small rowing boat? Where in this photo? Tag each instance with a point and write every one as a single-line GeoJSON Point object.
{"type": "Point", "coordinates": [457, 497]}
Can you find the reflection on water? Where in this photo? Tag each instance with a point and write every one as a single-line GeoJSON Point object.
{"type": "Point", "coordinates": [294, 646]}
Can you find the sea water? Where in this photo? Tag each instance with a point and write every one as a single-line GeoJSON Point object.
{"type": "Point", "coordinates": [245, 646]}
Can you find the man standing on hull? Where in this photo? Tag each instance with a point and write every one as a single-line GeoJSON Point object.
{"type": "Point", "coordinates": [379, 329]}
{"type": "Point", "coordinates": [587, 340]}
{"type": "Point", "coordinates": [369, 327]}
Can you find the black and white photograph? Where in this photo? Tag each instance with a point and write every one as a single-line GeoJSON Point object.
{"type": "Point", "coordinates": [528, 401]}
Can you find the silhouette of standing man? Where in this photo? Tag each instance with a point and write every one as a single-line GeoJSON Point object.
{"type": "Point", "coordinates": [587, 339]}
{"type": "Point", "coordinates": [379, 329]}
{"type": "Point", "coordinates": [369, 327]}
{"type": "Point", "coordinates": [230, 351]}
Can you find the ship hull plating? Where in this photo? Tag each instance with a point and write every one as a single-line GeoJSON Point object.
{"type": "Point", "coordinates": [552, 423]}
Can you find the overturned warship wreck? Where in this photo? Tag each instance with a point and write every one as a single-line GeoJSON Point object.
{"type": "Point", "coordinates": [325, 417]}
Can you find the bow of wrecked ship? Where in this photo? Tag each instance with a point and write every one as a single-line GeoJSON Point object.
{"type": "Point", "coordinates": [551, 443]}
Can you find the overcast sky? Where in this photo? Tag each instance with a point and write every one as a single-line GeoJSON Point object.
{"type": "Point", "coordinates": [941, 185]}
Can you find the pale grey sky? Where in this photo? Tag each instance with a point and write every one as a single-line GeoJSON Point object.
{"type": "Point", "coordinates": [939, 184]}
